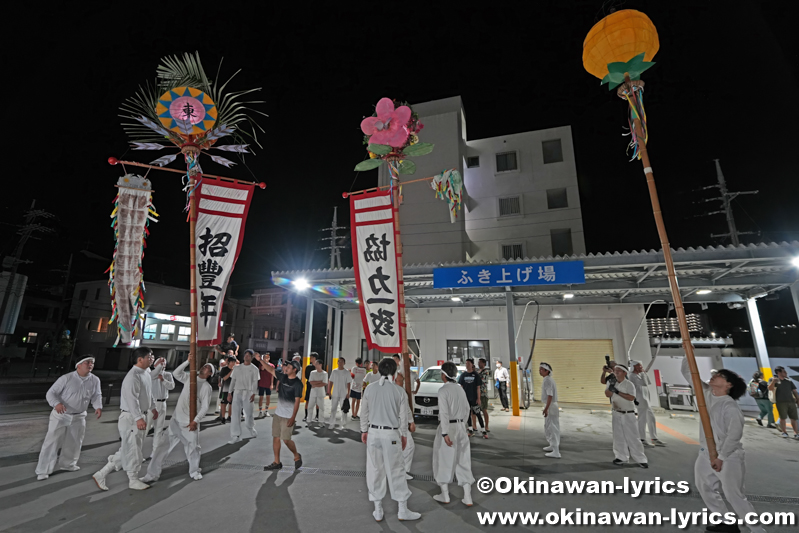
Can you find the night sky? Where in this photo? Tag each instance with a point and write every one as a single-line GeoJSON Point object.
{"type": "Point", "coordinates": [724, 86]}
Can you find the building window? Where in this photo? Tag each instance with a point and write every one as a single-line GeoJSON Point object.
{"type": "Point", "coordinates": [82, 294]}
{"type": "Point", "coordinates": [557, 198]}
{"type": "Point", "coordinates": [97, 325]}
{"type": "Point", "coordinates": [553, 153]}
{"type": "Point", "coordinates": [506, 162]}
{"type": "Point", "coordinates": [473, 162]}
{"type": "Point", "coordinates": [364, 351]}
{"type": "Point", "coordinates": [97, 294]}
{"type": "Point", "coordinates": [32, 337]}
{"type": "Point", "coordinates": [510, 206]}
{"type": "Point", "coordinates": [561, 241]}
{"type": "Point", "coordinates": [167, 331]}
{"type": "Point", "coordinates": [266, 334]}
{"type": "Point", "coordinates": [459, 351]}
{"type": "Point", "coordinates": [149, 332]}
{"type": "Point", "coordinates": [512, 251]}
{"type": "Point", "coordinates": [184, 333]}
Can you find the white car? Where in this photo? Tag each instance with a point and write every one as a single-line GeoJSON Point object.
{"type": "Point", "coordinates": [426, 400]}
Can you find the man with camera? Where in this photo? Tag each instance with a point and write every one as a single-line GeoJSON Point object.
{"type": "Point", "coordinates": [625, 429]}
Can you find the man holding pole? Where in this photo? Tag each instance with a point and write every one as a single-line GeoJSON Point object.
{"type": "Point", "coordinates": [68, 397]}
{"type": "Point", "coordinates": [162, 384]}
{"type": "Point", "coordinates": [410, 446]}
{"type": "Point", "coordinates": [646, 416]}
{"type": "Point", "coordinates": [726, 472]}
{"type": "Point", "coordinates": [243, 389]}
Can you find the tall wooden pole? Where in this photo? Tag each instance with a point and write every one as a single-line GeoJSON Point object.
{"type": "Point", "coordinates": [193, 178]}
{"type": "Point", "coordinates": [672, 273]}
{"type": "Point", "coordinates": [406, 364]}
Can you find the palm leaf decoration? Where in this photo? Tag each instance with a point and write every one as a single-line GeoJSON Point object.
{"type": "Point", "coordinates": [234, 112]}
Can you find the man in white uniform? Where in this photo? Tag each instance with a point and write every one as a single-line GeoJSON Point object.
{"type": "Point", "coordinates": [415, 383]}
{"type": "Point", "coordinates": [135, 401]}
{"type": "Point", "coordinates": [318, 383]}
{"type": "Point", "coordinates": [410, 446]}
{"type": "Point", "coordinates": [181, 429]}
{"type": "Point", "coordinates": [625, 430]}
{"type": "Point", "coordinates": [373, 376]}
{"type": "Point", "coordinates": [68, 397]}
{"type": "Point", "coordinates": [243, 389]}
{"type": "Point", "coordinates": [727, 472]}
{"type": "Point", "coordinates": [162, 384]}
{"type": "Point", "coordinates": [549, 394]}
{"type": "Point", "coordinates": [646, 416]}
{"type": "Point", "coordinates": [358, 374]}
{"type": "Point", "coordinates": [384, 430]}
{"type": "Point", "coordinates": [340, 380]}
{"type": "Point", "coordinates": [501, 375]}
{"type": "Point", "coordinates": [452, 455]}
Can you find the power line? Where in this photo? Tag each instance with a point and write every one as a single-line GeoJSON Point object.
{"type": "Point", "coordinates": [726, 199]}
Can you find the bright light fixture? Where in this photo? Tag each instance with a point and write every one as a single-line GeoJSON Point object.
{"type": "Point", "coordinates": [456, 299]}
{"type": "Point", "coordinates": [795, 261]}
{"type": "Point", "coordinates": [568, 295]}
{"type": "Point", "coordinates": [301, 284]}
{"type": "Point", "coordinates": [703, 291]}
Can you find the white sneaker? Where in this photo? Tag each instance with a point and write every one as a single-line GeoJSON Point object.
{"type": "Point", "coordinates": [405, 513]}
{"type": "Point", "coordinates": [331, 426]}
{"type": "Point", "coordinates": [378, 512]}
{"type": "Point", "coordinates": [467, 495]}
{"type": "Point", "coordinates": [135, 484]}
{"type": "Point", "coordinates": [548, 448]}
{"type": "Point", "coordinates": [444, 496]}
{"type": "Point", "coordinates": [553, 453]}
{"type": "Point", "coordinates": [784, 435]}
{"type": "Point", "coordinates": [647, 444]}
{"type": "Point", "coordinates": [148, 479]}
{"type": "Point", "coordinates": [234, 440]}
{"type": "Point", "coordinates": [42, 477]}
{"type": "Point", "coordinates": [266, 414]}
{"type": "Point", "coordinates": [196, 476]}
{"type": "Point", "coordinates": [254, 434]}
{"type": "Point", "coordinates": [408, 477]}
{"type": "Point", "coordinates": [658, 442]}
{"type": "Point", "coordinates": [71, 468]}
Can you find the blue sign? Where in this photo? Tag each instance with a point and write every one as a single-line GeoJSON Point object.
{"type": "Point", "coordinates": [510, 275]}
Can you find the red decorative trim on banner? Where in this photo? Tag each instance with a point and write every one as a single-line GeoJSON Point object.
{"type": "Point", "coordinates": [243, 217]}
{"type": "Point", "coordinates": [355, 260]}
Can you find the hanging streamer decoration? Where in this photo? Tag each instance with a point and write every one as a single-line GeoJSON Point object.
{"type": "Point", "coordinates": [449, 187]}
{"type": "Point", "coordinates": [133, 211]}
{"type": "Point", "coordinates": [635, 99]}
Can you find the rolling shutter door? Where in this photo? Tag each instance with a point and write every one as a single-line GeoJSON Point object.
{"type": "Point", "coordinates": [576, 367]}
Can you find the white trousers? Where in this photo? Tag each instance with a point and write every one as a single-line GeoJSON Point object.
{"type": "Point", "coordinates": [626, 443]}
{"type": "Point", "coordinates": [646, 419]}
{"type": "Point", "coordinates": [177, 434]}
{"type": "Point", "coordinates": [159, 426]}
{"type": "Point", "coordinates": [384, 465]}
{"type": "Point", "coordinates": [129, 456]}
{"type": "Point", "coordinates": [335, 404]}
{"type": "Point", "coordinates": [66, 432]}
{"type": "Point", "coordinates": [453, 461]}
{"type": "Point", "coordinates": [730, 480]}
{"type": "Point", "coordinates": [316, 399]}
{"type": "Point", "coordinates": [552, 426]}
{"type": "Point", "coordinates": [241, 401]}
{"type": "Point", "coordinates": [407, 453]}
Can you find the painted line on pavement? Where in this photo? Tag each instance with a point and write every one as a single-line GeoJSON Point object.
{"type": "Point", "coordinates": [515, 423]}
{"type": "Point", "coordinates": [677, 434]}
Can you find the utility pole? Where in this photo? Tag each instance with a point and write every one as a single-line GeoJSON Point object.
{"type": "Point", "coordinates": [14, 260]}
{"type": "Point", "coordinates": [726, 199]}
{"type": "Point", "coordinates": [335, 262]}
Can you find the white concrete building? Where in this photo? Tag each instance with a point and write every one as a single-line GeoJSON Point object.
{"type": "Point", "coordinates": [520, 193]}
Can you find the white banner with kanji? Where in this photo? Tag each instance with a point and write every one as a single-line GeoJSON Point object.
{"type": "Point", "coordinates": [374, 255]}
{"type": "Point", "coordinates": [222, 209]}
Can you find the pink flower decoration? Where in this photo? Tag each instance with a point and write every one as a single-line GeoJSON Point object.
{"type": "Point", "coordinates": [389, 126]}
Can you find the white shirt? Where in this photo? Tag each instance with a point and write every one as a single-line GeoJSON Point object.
{"type": "Point", "coordinates": [726, 419]}
{"type": "Point", "coordinates": [501, 374]}
{"type": "Point", "coordinates": [76, 392]}
{"type": "Point", "coordinates": [452, 405]}
{"type": "Point", "coordinates": [384, 404]}
{"type": "Point", "coordinates": [245, 378]}
{"type": "Point", "coordinates": [549, 388]}
{"type": "Point", "coordinates": [358, 373]}
{"type": "Point", "coordinates": [161, 388]}
{"type": "Point", "coordinates": [339, 379]}
{"type": "Point", "coordinates": [371, 377]}
{"type": "Point", "coordinates": [137, 393]}
{"type": "Point", "coordinates": [182, 413]}
{"type": "Point", "coordinates": [414, 377]}
{"type": "Point", "coordinates": [641, 383]}
{"type": "Point", "coordinates": [619, 403]}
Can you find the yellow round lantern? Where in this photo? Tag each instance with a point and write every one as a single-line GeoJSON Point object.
{"type": "Point", "coordinates": [618, 38]}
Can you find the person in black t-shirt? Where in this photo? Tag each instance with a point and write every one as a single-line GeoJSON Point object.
{"type": "Point", "coordinates": [288, 403]}
{"type": "Point", "coordinates": [471, 382]}
{"type": "Point", "coordinates": [224, 388]}
{"type": "Point", "coordinates": [225, 347]}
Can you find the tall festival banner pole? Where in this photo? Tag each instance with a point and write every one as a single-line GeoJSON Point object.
{"type": "Point", "coordinates": [181, 108]}
{"type": "Point", "coordinates": [616, 50]}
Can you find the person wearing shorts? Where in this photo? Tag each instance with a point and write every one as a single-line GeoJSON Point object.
{"type": "Point", "coordinates": [289, 395]}
{"type": "Point", "coordinates": [264, 384]}
{"type": "Point", "coordinates": [224, 388]}
{"type": "Point", "coordinates": [358, 372]}
{"type": "Point", "coordinates": [786, 400]}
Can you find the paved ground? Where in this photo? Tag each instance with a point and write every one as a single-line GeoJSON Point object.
{"type": "Point", "coordinates": [329, 493]}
